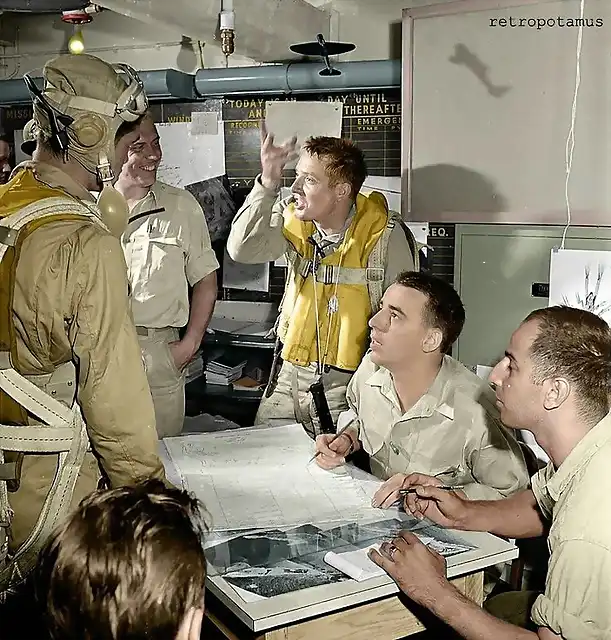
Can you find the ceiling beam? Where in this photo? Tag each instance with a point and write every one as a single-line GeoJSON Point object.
{"type": "Point", "coordinates": [264, 29]}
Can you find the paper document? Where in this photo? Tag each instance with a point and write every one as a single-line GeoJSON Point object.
{"type": "Point", "coordinates": [240, 327]}
{"type": "Point", "coordinates": [250, 277]}
{"type": "Point", "coordinates": [483, 371]}
{"type": "Point", "coordinates": [275, 561]}
{"type": "Point", "coordinates": [443, 547]}
{"type": "Point", "coordinates": [204, 123]}
{"type": "Point", "coordinates": [190, 157]}
{"type": "Point", "coordinates": [303, 119]}
{"type": "Point", "coordinates": [355, 564]}
{"type": "Point", "coordinates": [582, 279]}
{"type": "Point", "coordinates": [390, 186]}
{"type": "Point", "coordinates": [358, 566]}
{"type": "Point", "coordinates": [260, 478]}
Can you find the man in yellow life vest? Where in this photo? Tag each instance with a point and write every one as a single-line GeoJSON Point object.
{"type": "Point", "coordinates": [353, 245]}
{"type": "Point", "coordinates": [75, 405]}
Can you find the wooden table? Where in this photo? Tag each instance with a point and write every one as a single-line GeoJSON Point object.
{"type": "Point", "coordinates": [367, 610]}
{"type": "Point", "coordinates": [388, 618]}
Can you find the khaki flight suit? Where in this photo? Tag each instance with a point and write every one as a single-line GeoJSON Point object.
{"type": "Point", "coordinates": [71, 307]}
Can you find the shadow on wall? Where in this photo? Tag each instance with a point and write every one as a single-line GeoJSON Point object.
{"type": "Point", "coordinates": [464, 56]}
{"type": "Point", "coordinates": [448, 188]}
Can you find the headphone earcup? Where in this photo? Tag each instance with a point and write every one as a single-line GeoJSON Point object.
{"type": "Point", "coordinates": [89, 131]}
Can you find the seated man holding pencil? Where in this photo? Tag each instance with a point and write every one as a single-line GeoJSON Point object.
{"type": "Point", "coordinates": [553, 381]}
{"type": "Point", "coordinates": [415, 409]}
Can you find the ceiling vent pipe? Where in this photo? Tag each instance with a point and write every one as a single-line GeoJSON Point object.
{"type": "Point", "coordinates": [298, 77]}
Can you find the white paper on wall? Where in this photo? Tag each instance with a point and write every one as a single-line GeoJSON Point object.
{"type": "Point", "coordinates": [582, 279]}
{"type": "Point", "coordinates": [204, 123]}
{"type": "Point", "coordinates": [190, 158]}
{"type": "Point", "coordinates": [483, 371]}
{"type": "Point", "coordinates": [251, 277]}
{"type": "Point", "coordinates": [390, 186]}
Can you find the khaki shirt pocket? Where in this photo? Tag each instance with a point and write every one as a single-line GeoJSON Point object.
{"type": "Point", "coordinates": [151, 251]}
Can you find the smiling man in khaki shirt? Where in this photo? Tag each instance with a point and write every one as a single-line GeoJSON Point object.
{"type": "Point", "coordinates": [413, 408]}
{"type": "Point", "coordinates": [167, 250]}
{"type": "Point", "coordinates": [553, 381]}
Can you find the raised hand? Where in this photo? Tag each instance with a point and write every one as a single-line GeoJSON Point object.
{"type": "Point", "coordinates": [274, 158]}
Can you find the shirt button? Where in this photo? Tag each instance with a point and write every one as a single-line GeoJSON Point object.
{"type": "Point", "coordinates": [394, 448]}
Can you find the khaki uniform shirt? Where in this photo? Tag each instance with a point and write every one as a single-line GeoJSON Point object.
{"type": "Point", "coordinates": [70, 305]}
{"type": "Point", "coordinates": [576, 497]}
{"type": "Point", "coordinates": [453, 431]}
{"type": "Point", "coordinates": [256, 234]}
{"type": "Point", "coordinates": [165, 253]}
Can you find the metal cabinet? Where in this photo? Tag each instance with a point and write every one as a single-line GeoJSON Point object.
{"type": "Point", "coordinates": [501, 272]}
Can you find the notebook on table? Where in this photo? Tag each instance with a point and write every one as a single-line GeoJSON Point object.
{"type": "Point", "coordinates": [355, 564]}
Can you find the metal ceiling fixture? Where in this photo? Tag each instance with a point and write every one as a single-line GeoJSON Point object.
{"type": "Point", "coordinates": [76, 16]}
{"type": "Point", "coordinates": [323, 49]}
{"type": "Point", "coordinates": [42, 6]}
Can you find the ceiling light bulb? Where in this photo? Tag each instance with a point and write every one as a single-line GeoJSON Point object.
{"type": "Point", "coordinates": [76, 44]}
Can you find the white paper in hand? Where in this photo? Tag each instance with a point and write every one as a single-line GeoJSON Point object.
{"type": "Point", "coordinates": [302, 120]}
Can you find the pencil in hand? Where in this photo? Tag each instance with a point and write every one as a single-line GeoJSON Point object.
{"type": "Point", "coordinates": [404, 492]}
{"type": "Point", "coordinates": [337, 435]}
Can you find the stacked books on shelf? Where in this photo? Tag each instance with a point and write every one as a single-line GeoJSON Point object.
{"type": "Point", "coordinates": [224, 367]}
{"type": "Point", "coordinates": [195, 368]}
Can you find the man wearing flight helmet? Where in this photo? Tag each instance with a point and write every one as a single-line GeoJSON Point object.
{"type": "Point", "coordinates": [70, 362]}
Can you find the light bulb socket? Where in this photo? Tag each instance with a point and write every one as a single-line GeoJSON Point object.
{"type": "Point", "coordinates": [227, 41]}
{"type": "Point", "coordinates": [76, 16]}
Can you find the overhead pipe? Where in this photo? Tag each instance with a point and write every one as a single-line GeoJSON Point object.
{"type": "Point", "coordinates": [298, 77]}
{"type": "Point", "coordinates": [163, 84]}
{"type": "Point", "coordinates": [168, 84]}
{"type": "Point", "coordinates": [294, 77]}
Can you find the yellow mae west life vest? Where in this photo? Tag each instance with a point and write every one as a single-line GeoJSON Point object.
{"type": "Point", "coordinates": [353, 273]}
{"type": "Point", "coordinates": [30, 419]}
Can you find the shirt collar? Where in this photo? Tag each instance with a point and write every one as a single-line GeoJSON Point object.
{"type": "Point", "coordinates": [55, 178]}
{"type": "Point", "coordinates": [438, 398]}
{"type": "Point", "coordinates": [149, 201]}
{"type": "Point", "coordinates": [596, 438]}
{"type": "Point", "coordinates": [331, 240]}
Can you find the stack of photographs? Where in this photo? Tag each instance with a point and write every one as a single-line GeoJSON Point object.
{"type": "Point", "coordinates": [270, 562]}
